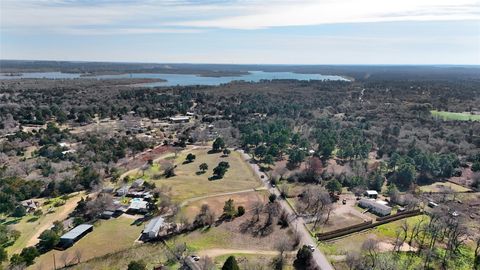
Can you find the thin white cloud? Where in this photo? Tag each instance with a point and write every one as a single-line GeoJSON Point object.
{"type": "Point", "coordinates": [184, 16]}
{"type": "Point", "coordinates": [345, 11]}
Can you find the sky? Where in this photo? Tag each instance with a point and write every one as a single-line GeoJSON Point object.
{"type": "Point", "coordinates": [243, 31]}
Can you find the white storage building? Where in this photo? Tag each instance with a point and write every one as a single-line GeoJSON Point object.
{"type": "Point", "coordinates": [375, 207]}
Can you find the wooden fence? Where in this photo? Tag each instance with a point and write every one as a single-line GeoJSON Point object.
{"type": "Point", "coordinates": [366, 225]}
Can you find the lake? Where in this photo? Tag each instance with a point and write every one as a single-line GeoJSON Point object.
{"type": "Point", "coordinates": [180, 79]}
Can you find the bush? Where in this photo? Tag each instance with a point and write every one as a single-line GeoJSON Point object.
{"type": "Point", "coordinates": [230, 264]}
{"type": "Point", "coordinates": [29, 254]}
{"type": "Point", "coordinates": [48, 240]}
{"type": "Point", "coordinates": [476, 166]}
{"type": "Point", "coordinates": [3, 254]}
{"type": "Point", "coordinates": [38, 212]}
{"type": "Point", "coordinates": [240, 211]}
{"type": "Point", "coordinates": [136, 265]}
{"type": "Point", "coordinates": [304, 258]}
{"type": "Point", "coordinates": [190, 157]}
{"type": "Point", "coordinates": [19, 211]}
{"type": "Point", "coordinates": [272, 197]}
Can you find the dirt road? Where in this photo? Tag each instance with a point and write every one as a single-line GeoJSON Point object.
{"type": "Point", "coordinates": [62, 214]}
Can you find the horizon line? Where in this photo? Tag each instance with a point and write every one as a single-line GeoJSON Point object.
{"type": "Point", "coordinates": [237, 64]}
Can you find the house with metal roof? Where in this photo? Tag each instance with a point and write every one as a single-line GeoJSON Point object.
{"type": "Point", "coordinates": [153, 227]}
{"type": "Point", "coordinates": [138, 206]}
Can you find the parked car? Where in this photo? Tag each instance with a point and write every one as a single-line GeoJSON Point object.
{"type": "Point", "coordinates": [311, 248]}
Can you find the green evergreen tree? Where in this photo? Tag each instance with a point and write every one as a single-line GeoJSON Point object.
{"type": "Point", "coordinates": [230, 264]}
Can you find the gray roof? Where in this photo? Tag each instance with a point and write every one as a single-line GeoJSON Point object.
{"type": "Point", "coordinates": [137, 183]}
{"type": "Point", "coordinates": [154, 225]}
{"type": "Point", "coordinates": [75, 232]}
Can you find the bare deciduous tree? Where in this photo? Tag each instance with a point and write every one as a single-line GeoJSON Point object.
{"type": "Point", "coordinates": [78, 255]}
{"type": "Point", "coordinates": [370, 247]}
{"type": "Point", "coordinates": [64, 258]}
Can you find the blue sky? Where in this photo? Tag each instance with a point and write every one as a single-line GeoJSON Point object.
{"type": "Point", "coordinates": [243, 31]}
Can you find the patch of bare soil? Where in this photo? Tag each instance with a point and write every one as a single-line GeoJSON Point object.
{"type": "Point", "coordinates": [465, 179]}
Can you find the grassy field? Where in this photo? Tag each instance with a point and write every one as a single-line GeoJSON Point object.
{"type": "Point", "coordinates": [216, 203]}
{"type": "Point", "coordinates": [108, 236]}
{"type": "Point", "coordinates": [455, 116]}
{"type": "Point", "coordinates": [30, 227]}
{"type": "Point", "coordinates": [151, 254]}
{"type": "Point", "coordinates": [189, 184]}
{"type": "Point", "coordinates": [353, 242]}
{"type": "Point", "coordinates": [441, 187]}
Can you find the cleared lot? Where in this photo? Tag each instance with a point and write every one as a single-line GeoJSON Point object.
{"type": "Point", "coordinates": [189, 183]}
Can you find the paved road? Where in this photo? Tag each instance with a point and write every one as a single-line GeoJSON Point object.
{"type": "Point", "coordinates": [298, 223]}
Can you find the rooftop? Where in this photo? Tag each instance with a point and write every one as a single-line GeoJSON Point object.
{"type": "Point", "coordinates": [75, 232]}
{"type": "Point", "coordinates": [138, 204]}
{"type": "Point", "coordinates": [154, 225]}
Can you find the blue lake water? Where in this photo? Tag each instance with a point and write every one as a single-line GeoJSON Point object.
{"type": "Point", "coordinates": [180, 79]}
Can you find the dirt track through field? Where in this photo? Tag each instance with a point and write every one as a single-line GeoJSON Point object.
{"type": "Point", "coordinates": [215, 252]}
{"type": "Point", "coordinates": [218, 195]}
{"type": "Point", "coordinates": [67, 208]}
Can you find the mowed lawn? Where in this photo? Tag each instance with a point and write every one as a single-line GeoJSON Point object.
{"type": "Point", "coordinates": [442, 187]}
{"type": "Point", "coordinates": [455, 116]}
{"type": "Point", "coordinates": [189, 184]}
{"type": "Point", "coordinates": [108, 236]}
{"type": "Point", "coordinates": [30, 227]}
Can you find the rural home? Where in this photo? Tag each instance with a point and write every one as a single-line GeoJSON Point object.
{"type": "Point", "coordinates": [68, 239]}
{"type": "Point", "coordinates": [138, 206]}
{"type": "Point", "coordinates": [30, 205]}
{"type": "Point", "coordinates": [376, 207]}
{"type": "Point", "coordinates": [153, 228]}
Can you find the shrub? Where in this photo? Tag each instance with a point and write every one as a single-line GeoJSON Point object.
{"type": "Point", "coordinates": [240, 211]}
{"type": "Point", "coordinates": [136, 265]}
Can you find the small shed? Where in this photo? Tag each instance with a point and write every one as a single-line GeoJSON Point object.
{"type": "Point", "coordinates": [373, 194]}
{"type": "Point", "coordinates": [74, 235]}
